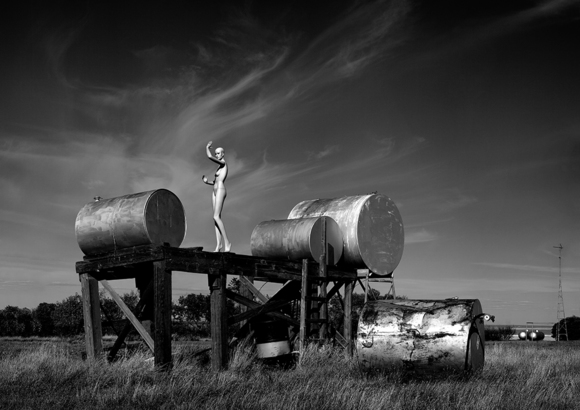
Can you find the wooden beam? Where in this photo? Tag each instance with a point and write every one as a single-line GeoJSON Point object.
{"type": "Point", "coordinates": [250, 286]}
{"type": "Point", "coordinates": [129, 315]}
{"type": "Point", "coordinates": [219, 351]}
{"type": "Point", "coordinates": [254, 305]}
{"type": "Point", "coordinates": [304, 306]}
{"type": "Point", "coordinates": [92, 316]}
{"type": "Point", "coordinates": [162, 314]}
{"type": "Point", "coordinates": [259, 310]}
{"type": "Point", "coordinates": [348, 288]}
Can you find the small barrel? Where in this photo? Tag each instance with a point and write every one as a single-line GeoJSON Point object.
{"type": "Point", "coordinates": [152, 217]}
{"type": "Point", "coordinates": [296, 239]}
{"type": "Point", "coordinates": [371, 226]}
{"type": "Point", "coordinates": [271, 339]}
{"type": "Point", "coordinates": [423, 335]}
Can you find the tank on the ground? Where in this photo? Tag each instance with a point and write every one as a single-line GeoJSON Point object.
{"type": "Point", "coordinates": [423, 335]}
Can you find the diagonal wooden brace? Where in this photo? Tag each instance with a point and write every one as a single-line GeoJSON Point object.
{"type": "Point", "coordinates": [145, 299]}
{"type": "Point", "coordinates": [132, 318]}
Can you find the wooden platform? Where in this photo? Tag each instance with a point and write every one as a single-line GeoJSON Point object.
{"type": "Point", "coordinates": [151, 267]}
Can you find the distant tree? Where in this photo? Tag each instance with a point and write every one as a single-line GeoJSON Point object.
{"type": "Point", "coordinates": [68, 316]}
{"type": "Point", "coordinates": [191, 316]}
{"type": "Point", "coordinates": [573, 327]}
{"type": "Point", "coordinates": [11, 323]}
{"type": "Point", "coordinates": [499, 333]}
{"type": "Point", "coordinates": [43, 324]}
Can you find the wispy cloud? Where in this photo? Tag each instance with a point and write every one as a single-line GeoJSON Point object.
{"type": "Point", "coordinates": [527, 268]}
{"type": "Point", "coordinates": [326, 151]}
{"type": "Point", "coordinates": [419, 236]}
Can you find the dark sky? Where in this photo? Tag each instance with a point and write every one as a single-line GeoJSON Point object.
{"type": "Point", "coordinates": [465, 113]}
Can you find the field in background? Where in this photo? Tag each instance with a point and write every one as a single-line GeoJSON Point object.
{"type": "Point", "coordinates": [50, 374]}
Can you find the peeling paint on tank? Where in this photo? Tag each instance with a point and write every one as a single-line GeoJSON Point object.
{"type": "Point", "coordinates": [417, 334]}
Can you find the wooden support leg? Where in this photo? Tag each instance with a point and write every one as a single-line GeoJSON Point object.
{"type": "Point", "coordinates": [162, 302]}
{"type": "Point", "coordinates": [219, 330]}
{"type": "Point", "coordinates": [92, 316]}
{"type": "Point", "coordinates": [143, 280]}
{"type": "Point", "coordinates": [348, 288]}
{"type": "Point", "coordinates": [323, 312]}
{"type": "Point", "coordinates": [305, 291]}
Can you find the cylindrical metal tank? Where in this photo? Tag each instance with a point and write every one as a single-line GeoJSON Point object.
{"type": "Point", "coordinates": [536, 335]}
{"type": "Point", "coordinates": [152, 217]}
{"type": "Point", "coordinates": [523, 335]}
{"type": "Point", "coordinates": [423, 335]}
{"type": "Point", "coordinates": [271, 339]}
{"type": "Point", "coordinates": [371, 226]}
{"type": "Point", "coordinates": [296, 239]}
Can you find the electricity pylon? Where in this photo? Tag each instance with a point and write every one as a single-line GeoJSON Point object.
{"type": "Point", "coordinates": [561, 327]}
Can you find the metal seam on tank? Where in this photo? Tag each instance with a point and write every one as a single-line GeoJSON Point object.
{"type": "Point", "coordinates": [145, 213]}
{"type": "Point", "coordinates": [184, 218]}
{"type": "Point", "coordinates": [358, 215]}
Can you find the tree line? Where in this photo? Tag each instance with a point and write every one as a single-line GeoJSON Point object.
{"type": "Point", "coordinates": [190, 317]}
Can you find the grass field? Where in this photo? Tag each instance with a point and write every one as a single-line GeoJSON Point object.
{"type": "Point", "coordinates": [42, 374]}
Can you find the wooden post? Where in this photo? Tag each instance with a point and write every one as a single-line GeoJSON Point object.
{"type": "Point", "coordinates": [348, 288]}
{"type": "Point", "coordinates": [304, 292]}
{"type": "Point", "coordinates": [142, 281]}
{"type": "Point", "coordinates": [322, 331]}
{"type": "Point", "coordinates": [92, 316]}
{"type": "Point", "coordinates": [219, 330]}
{"type": "Point", "coordinates": [162, 302]}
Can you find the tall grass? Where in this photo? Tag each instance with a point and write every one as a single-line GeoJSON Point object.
{"type": "Point", "coordinates": [516, 376]}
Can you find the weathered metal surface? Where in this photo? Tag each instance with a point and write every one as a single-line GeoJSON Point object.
{"type": "Point", "coordinates": [271, 339]}
{"type": "Point", "coordinates": [371, 226]}
{"type": "Point", "coordinates": [297, 239]}
{"type": "Point", "coordinates": [424, 335]}
{"type": "Point", "coordinates": [153, 217]}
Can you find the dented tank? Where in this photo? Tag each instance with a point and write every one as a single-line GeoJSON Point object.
{"type": "Point", "coordinates": [152, 217]}
{"type": "Point", "coordinates": [423, 335]}
{"type": "Point", "coordinates": [371, 226]}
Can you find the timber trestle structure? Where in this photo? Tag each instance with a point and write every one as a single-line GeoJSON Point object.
{"type": "Point", "coordinates": [151, 267]}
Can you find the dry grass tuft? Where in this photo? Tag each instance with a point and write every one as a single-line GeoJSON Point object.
{"type": "Point", "coordinates": [517, 375]}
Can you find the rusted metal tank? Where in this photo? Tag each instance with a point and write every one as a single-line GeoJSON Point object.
{"type": "Point", "coordinates": [271, 339]}
{"type": "Point", "coordinates": [152, 217]}
{"type": "Point", "coordinates": [297, 239]}
{"type": "Point", "coordinates": [371, 226]}
{"type": "Point", "coordinates": [423, 335]}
